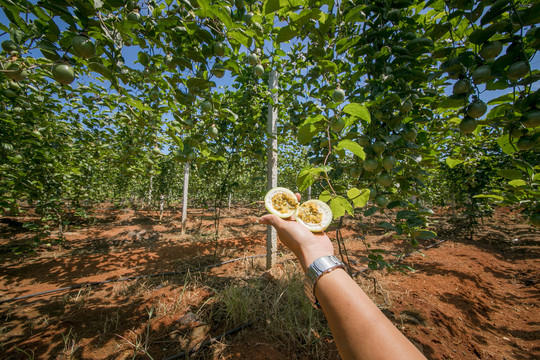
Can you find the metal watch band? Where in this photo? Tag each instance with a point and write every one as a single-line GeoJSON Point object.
{"type": "Point", "coordinates": [318, 268]}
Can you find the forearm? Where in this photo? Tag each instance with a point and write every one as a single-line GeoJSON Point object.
{"type": "Point", "coordinates": [360, 329]}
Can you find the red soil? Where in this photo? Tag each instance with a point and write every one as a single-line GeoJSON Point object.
{"type": "Point", "coordinates": [467, 299]}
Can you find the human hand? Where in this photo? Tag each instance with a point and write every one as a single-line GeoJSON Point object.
{"type": "Point", "coordinates": [307, 246]}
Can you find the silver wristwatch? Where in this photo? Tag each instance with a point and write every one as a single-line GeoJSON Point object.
{"type": "Point", "coordinates": [318, 268]}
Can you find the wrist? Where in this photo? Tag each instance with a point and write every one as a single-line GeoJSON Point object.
{"type": "Point", "coordinates": [308, 257]}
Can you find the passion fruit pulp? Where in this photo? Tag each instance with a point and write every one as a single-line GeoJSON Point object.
{"type": "Point", "coordinates": [281, 202]}
{"type": "Point", "coordinates": [315, 215]}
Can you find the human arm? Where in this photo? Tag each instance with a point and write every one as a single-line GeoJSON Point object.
{"type": "Point", "coordinates": [360, 329]}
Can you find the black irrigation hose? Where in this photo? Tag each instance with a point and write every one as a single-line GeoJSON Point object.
{"type": "Point", "coordinates": [171, 273]}
{"type": "Point", "coordinates": [211, 341]}
{"type": "Point", "coordinates": [402, 257]}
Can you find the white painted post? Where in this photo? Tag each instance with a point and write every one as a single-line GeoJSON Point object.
{"type": "Point", "coordinates": [230, 198]}
{"type": "Point", "coordinates": [185, 198]}
{"type": "Point", "coordinates": [271, 169]}
{"type": "Point", "coordinates": [309, 192]}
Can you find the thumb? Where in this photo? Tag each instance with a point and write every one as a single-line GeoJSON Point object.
{"type": "Point", "coordinates": [269, 219]}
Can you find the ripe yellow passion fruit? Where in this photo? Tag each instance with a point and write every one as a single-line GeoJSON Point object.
{"type": "Point", "coordinates": [315, 215]}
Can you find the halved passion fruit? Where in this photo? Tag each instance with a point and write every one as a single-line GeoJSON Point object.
{"type": "Point", "coordinates": [315, 215]}
{"type": "Point", "coordinates": [281, 202]}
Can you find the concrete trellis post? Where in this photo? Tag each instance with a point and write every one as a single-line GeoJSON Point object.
{"type": "Point", "coordinates": [271, 175]}
{"type": "Point", "coordinates": [185, 197]}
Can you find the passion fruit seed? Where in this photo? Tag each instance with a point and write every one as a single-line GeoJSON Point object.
{"type": "Point", "coordinates": [281, 202]}
{"type": "Point", "coordinates": [315, 215]}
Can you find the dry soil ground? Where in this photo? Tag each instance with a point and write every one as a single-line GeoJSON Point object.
{"type": "Point", "coordinates": [467, 299]}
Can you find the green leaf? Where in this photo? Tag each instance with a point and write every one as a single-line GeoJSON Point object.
{"type": "Point", "coordinates": [271, 6]}
{"type": "Point", "coordinates": [424, 234]}
{"type": "Point", "coordinates": [357, 110]}
{"type": "Point", "coordinates": [504, 99]}
{"type": "Point", "coordinates": [491, 196]}
{"type": "Point", "coordinates": [221, 14]}
{"type": "Point", "coordinates": [359, 197]}
{"type": "Point", "coordinates": [204, 6]}
{"type": "Point", "coordinates": [306, 133]}
{"type": "Point", "coordinates": [452, 163]}
{"type": "Point", "coordinates": [506, 145]}
{"type": "Point", "coordinates": [325, 196]}
{"type": "Point", "coordinates": [353, 147]}
{"type": "Point", "coordinates": [285, 34]}
{"type": "Point", "coordinates": [241, 37]}
{"type": "Point", "coordinates": [309, 175]}
{"type": "Point", "coordinates": [517, 183]}
{"type": "Point", "coordinates": [511, 174]}
{"type": "Point", "coordinates": [340, 206]}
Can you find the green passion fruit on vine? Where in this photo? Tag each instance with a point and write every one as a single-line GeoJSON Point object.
{"type": "Point", "coordinates": [378, 147]}
{"type": "Point", "coordinates": [281, 202]}
{"type": "Point", "coordinates": [370, 165]}
{"type": "Point", "coordinates": [481, 74]}
{"type": "Point", "coordinates": [491, 50]}
{"type": "Point", "coordinates": [258, 70]}
{"type": "Point", "coordinates": [83, 47]}
{"type": "Point", "coordinates": [206, 106]}
{"type": "Point", "coordinates": [468, 125]}
{"type": "Point", "coordinates": [253, 59]}
{"type": "Point", "coordinates": [461, 87]}
{"type": "Point", "coordinates": [385, 180]}
{"type": "Point", "coordinates": [218, 70]}
{"type": "Point", "coordinates": [15, 72]}
{"type": "Point", "coordinates": [410, 134]}
{"type": "Point", "coordinates": [531, 119]}
{"type": "Point", "coordinates": [9, 46]}
{"type": "Point", "coordinates": [389, 162]}
{"type": "Point", "coordinates": [517, 70]}
{"type": "Point", "coordinates": [477, 109]}
{"type": "Point", "coordinates": [525, 143]}
{"type": "Point", "coordinates": [381, 201]}
{"type": "Point", "coordinates": [213, 132]}
{"type": "Point", "coordinates": [338, 95]}
{"type": "Point", "coordinates": [219, 48]}
{"type": "Point", "coordinates": [63, 73]}
{"type": "Point", "coordinates": [337, 124]}
{"type": "Point", "coordinates": [315, 215]}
